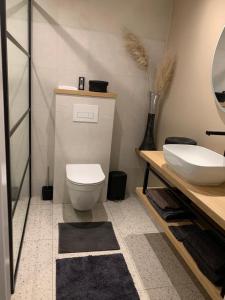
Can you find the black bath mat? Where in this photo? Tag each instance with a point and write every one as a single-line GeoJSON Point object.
{"type": "Point", "coordinates": [86, 237]}
{"type": "Point", "coordinates": [104, 277]}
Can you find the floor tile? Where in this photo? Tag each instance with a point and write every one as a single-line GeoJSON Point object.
{"type": "Point", "coordinates": [43, 295]}
{"type": "Point", "coordinates": [144, 295]}
{"type": "Point", "coordinates": [159, 266]}
{"type": "Point", "coordinates": [39, 223]}
{"type": "Point", "coordinates": [57, 217]}
{"type": "Point", "coordinates": [38, 201]}
{"type": "Point", "coordinates": [148, 265]}
{"type": "Point", "coordinates": [131, 217]}
{"type": "Point", "coordinates": [182, 293]}
{"type": "Point", "coordinates": [44, 262]}
{"type": "Point", "coordinates": [35, 273]}
{"type": "Point", "coordinates": [192, 291]}
{"type": "Point", "coordinates": [99, 213]}
{"type": "Point", "coordinates": [27, 267]}
{"type": "Point", "coordinates": [165, 293]}
{"type": "Point", "coordinates": [23, 292]}
{"type": "Point", "coordinates": [63, 213]}
{"type": "Point", "coordinates": [182, 279]}
{"type": "Point", "coordinates": [169, 259]}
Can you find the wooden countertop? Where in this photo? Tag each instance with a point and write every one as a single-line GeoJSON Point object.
{"type": "Point", "coordinates": [210, 199]}
{"type": "Point", "coordinates": [84, 93]}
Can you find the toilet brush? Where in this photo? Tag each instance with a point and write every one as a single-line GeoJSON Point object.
{"type": "Point", "coordinates": [47, 191]}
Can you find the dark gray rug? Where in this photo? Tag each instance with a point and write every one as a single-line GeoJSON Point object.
{"type": "Point", "coordinates": [104, 277]}
{"type": "Point", "coordinates": [86, 237]}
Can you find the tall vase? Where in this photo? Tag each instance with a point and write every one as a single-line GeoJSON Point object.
{"type": "Point", "coordinates": [148, 142]}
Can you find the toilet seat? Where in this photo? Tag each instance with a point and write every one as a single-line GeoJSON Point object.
{"type": "Point", "coordinates": [85, 174]}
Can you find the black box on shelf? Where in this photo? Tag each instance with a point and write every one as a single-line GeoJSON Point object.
{"type": "Point", "coordinates": [98, 86]}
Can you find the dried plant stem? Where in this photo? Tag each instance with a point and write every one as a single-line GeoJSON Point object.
{"type": "Point", "coordinates": [136, 49]}
{"type": "Point", "coordinates": [148, 78]}
{"type": "Point", "coordinates": [164, 74]}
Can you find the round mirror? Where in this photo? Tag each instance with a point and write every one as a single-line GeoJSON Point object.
{"type": "Point", "coordinates": [218, 72]}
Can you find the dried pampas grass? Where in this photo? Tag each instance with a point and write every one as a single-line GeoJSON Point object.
{"type": "Point", "coordinates": [164, 74]}
{"type": "Point", "coordinates": [136, 49]}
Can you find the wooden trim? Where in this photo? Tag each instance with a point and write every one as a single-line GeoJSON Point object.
{"type": "Point", "coordinates": [85, 93]}
{"type": "Point", "coordinates": [211, 289]}
{"type": "Point", "coordinates": [210, 199]}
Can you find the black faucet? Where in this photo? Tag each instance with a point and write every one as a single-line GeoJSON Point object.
{"type": "Point", "coordinates": [215, 132]}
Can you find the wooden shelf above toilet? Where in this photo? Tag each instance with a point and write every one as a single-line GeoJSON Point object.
{"type": "Point", "coordinates": [84, 93]}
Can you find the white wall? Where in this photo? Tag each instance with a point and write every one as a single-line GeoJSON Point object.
{"type": "Point", "coordinates": [190, 108]}
{"type": "Point", "coordinates": [74, 38]}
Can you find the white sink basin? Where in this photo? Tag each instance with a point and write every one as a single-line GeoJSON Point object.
{"type": "Point", "coordinates": [196, 164]}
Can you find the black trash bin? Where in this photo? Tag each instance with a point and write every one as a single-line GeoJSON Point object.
{"type": "Point", "coordinates": [117, 185]}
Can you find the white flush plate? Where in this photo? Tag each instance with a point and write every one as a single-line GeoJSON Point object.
{"type": "Point", "coordinates": [85, 113]}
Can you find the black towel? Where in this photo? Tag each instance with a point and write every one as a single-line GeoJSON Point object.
{"type": "Point", "coordinates": [181, 232]}
{"type": "Point", "coordinates": [214, 277]}
{"type": "Point", "coordinates": [170, 215]}
{"type": "Point", "coordinates": [163, 198]}
{"type": "Point", "coordinates": [204, 248]}
{"type": "Point", "coordinates": [209, 248]}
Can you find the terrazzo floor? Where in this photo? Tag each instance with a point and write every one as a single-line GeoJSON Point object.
{"type": "Point", "coordinates": [157, 271]}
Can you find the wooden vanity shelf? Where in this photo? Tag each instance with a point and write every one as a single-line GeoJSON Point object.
{"type": "Point", "coordinates": [210, 200]}
{"type": "Point", "coordinates": [84, 93]}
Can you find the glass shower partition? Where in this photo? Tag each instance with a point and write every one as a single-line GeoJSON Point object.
{"type": "Point", "coordinates": [16, 55]}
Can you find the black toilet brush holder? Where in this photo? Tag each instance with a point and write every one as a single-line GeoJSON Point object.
{"type": "Point", "coordinates": [47, 191]}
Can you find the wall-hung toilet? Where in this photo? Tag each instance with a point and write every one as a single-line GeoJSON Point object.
{"type": "Point", "coordinates": [85, 183]}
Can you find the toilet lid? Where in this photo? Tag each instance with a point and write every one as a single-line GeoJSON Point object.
{"type": "Point", "coordinates": [85, 173]}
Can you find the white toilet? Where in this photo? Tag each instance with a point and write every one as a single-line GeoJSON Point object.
{"type": "Point", "coordinates": [85, 183]}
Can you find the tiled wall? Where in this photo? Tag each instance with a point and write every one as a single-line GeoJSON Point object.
{"type": "Point", "coordinates": [74, 38]}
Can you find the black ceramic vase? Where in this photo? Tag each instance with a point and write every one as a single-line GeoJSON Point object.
{"type": "Point", "coordinates": [148, 142]}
